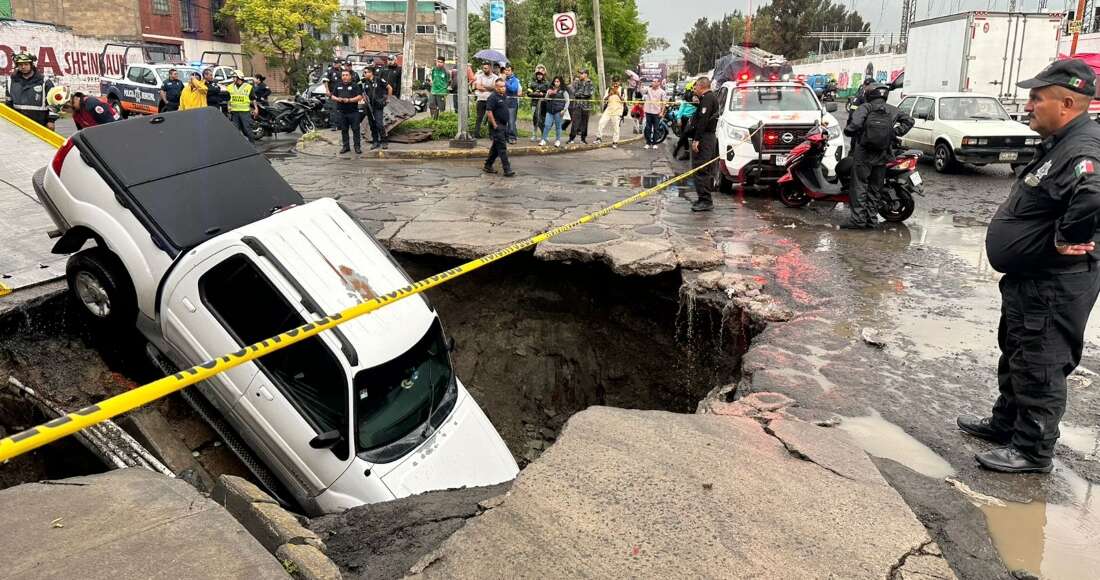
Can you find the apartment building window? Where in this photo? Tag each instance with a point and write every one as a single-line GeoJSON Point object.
{"type": "Point", "coordinates": [425, 29]}
{"type": "Point", "coordinates": [160, 7]}
{"type": "Point", "coordinates": [386, 28]}
{"type": "Point", "coordinates": [187, 16]}
{"type": "Point", "coordinates": [216, 19]}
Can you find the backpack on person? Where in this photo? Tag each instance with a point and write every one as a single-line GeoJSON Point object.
{"type": "Point", "coordinates": [878, 129]}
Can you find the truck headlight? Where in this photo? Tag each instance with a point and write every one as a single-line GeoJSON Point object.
{"type": "Point", "coordinates": [833, 131]}
{"type": "Point", "coordinates": [736, 133]}
{"type": "Point", "coordinates": [1032, 141]}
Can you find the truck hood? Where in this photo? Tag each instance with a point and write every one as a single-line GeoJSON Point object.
{"type": "Point", "coordinates": [466, 451]}
{"type": "Point", "coordinates": [986, 128]}
{"type": "Point", "coordinates": [750, 118]}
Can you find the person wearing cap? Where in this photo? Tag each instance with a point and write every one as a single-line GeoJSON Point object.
{"type": "Point", "coordinates": [582, 92]}
{"type": "Point", "coordinates": [1043, 238]}
{"type": "Point", "coordinates": [242, 104]}
{"type": "Point", "coordinates": [537, 92]}
{"type": "Point", "coordinates": [27, 90]}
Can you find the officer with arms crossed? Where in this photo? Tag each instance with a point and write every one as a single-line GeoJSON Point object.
{"type": "Point", "coordinates": [347, 94]}
{"type": "Point", "coordinates": [27, 90]}
{"type": "Point", "coordinates": [872, 128]}
{"type": "Point", "coordinates": [1043, 239]}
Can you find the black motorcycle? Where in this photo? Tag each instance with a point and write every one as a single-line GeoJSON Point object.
{"type": "Point", "coordinates": [285, 116]}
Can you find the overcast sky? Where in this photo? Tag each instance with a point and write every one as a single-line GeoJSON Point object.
{"type": "Point", "coordinates": [671, 20]}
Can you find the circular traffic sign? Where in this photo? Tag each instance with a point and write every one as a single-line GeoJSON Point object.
{"type": "Point", "coordinates": [564, 24]}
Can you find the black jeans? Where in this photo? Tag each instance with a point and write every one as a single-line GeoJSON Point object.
{"type": "Point", "coordinates": [499, 148]}
{"type": "Point", "coordinates": [481, 108]}
{"type": "Point", "coordinates": [579, 126]}
{"type": "Point", "coordinates": [704, 178]}
{"type": "Point", "coordinates": [377, 125]}
{"type": "Point", "coordinates": [243, 121]}
{"type": "Point", "coordinates": [538, 115]}
{"type": "Point", "coordinates": [1041, 335]}
{"type": "Point", "coordinates": [868, 179]}
{"type": "Point", "coordinates": [651, 122]}
{"type": "Point", "coordinates": [350, 120]}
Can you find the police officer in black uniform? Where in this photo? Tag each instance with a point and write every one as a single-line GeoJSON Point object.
{"type": "Point", "coordinates": [27, 90]}
{"type": "Point", "coordinates": [170, 92]}
{"type": "Point", "coordinates": [872, 128]}
{"type": "Point", "coordinates": [347, 94]}
{"type": "Point", "coordinates": [216, 96]}
{"type": "Point", "coordinates": [1043, 239]}
{"type": "Point", "coordinates": [376, 92]}
{"type": "Point", "coordinates": [705, 143]}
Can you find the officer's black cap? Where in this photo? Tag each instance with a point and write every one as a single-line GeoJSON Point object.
{"type": "Point", "coordinates": [1072, 74]}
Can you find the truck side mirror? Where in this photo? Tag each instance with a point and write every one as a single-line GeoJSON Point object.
{"type": "Point", "coordinates": [326, 440]}
{"type": "Point", "coordinates": [830, 107]}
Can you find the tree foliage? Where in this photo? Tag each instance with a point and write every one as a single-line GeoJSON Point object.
{"type": "Point", "coordinates": [283, 31]}
{"type": "Point", "coordinates": [531, 38]}
{"type": "Point", "coordinates": [655, 44]}
{"type": "Point", "coordinates": [781, 27]}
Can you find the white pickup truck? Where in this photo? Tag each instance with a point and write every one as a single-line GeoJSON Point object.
{"type": "Point", "coordinates": [207, 249]}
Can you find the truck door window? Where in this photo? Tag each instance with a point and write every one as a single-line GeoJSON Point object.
{"type": "Point", "coordinates": [148, 77]}
{"type": "Point", "coordinates": [135, 74]}
{"type": "Point", "coordinates": [251, 309]}
{"type": "Point", "coordinates": [906, 106]}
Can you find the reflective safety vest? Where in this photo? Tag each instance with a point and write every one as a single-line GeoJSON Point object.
{"type": "Point", "coordinates": [239, 97]}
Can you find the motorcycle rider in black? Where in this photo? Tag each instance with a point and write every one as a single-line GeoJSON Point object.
{"type": "Point", "coordinates": [872, 128]}
{"type": "Point", "coordinates": [27, 91]}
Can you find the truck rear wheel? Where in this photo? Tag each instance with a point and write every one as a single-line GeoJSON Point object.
{"type": "Point", "coordinates": [113, 100]}
{"type": "Point", "coordinates": [100, 285]}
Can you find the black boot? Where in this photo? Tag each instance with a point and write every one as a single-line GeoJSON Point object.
{"type": "Point", "coordinates": [982, 428]}
{"type": "Point", "coordinates": [1011, 460]}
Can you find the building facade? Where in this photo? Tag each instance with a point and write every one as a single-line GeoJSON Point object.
{"type": "Point", "coordinates": [114, 18]}
{"type": "Point", "coordinates": [384, 23]}
{"type": "Point", "coordinates": [192, 25]}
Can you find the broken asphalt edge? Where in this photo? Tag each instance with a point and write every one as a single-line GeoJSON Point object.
{"type": "Point", "coordinates": [301, 552]}
{"type": "Point", "coordinates": [475, 153]}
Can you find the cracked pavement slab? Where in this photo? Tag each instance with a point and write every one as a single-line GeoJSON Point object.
{"type": "Point", "coordinates": [609, 500]}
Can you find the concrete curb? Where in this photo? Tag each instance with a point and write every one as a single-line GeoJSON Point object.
{"type": "Point", "coordinates": [301, 552]}
{"type": "Point", "coordinates": [475, 153]}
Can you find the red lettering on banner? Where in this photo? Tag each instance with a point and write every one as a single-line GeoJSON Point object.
{"type": "Point", "coordinates": [9, 53]}
{"type": "Point", "coordinates": [48, 60]}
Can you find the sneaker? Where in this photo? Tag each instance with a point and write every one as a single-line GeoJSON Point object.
{"type": "Point", "coordinates": [509, 173]}
{"type": "Point", "coordinates": [569, 142]}
{"type": "Point", "coordinates": [542, 143]}
{"type": "Point", "coordinates": [344, 150]}
{"type": "Point", "coordinates": [533, 139]}
{"type": "Point", "coordinates": [374, 146]}
{"type": "Point", "coordinates": [358, 151]}
{"type": "Point", "coordinates": [488, 169]}
{"type": "Point", "coordinates": [614, 145]}
{"type": "Point", "coordinates": [702, 206]}
{"type": "Point", "coordinates": [598, 140]}
{"type": "Point", "coordinates": [584, 141]}
{"type": "Point", "coordinates": [557, 144]}
{"type": "Point", "coordinates": [387, 146]}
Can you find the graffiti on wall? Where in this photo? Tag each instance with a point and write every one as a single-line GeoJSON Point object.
{"type": "Point", "coordinates": [70, 60]}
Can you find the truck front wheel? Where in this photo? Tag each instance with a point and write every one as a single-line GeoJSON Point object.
{"type": "Point", "coordinates": [98, 282]}
{"type": "Point", "coordinates": [113, 100]}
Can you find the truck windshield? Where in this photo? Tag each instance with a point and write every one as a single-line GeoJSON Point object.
{"type": "Point", "coordinates": [976, 108]}
{"type": "Point", "coordinates": [395, 399]}
{"type": "Point", "coordinates": [185, 73]}
{"type": "Point", "coordinates": [773, 98]}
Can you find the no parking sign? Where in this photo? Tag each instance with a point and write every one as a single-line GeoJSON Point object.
{"type": "Point", "coordinates": [565, 24]}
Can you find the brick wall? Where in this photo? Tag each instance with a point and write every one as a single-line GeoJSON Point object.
{"type": "Point", "coordinates": [118, 18]}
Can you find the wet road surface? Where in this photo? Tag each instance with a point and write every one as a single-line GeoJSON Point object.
{"type": "Point", "coordinates": [923, 287]}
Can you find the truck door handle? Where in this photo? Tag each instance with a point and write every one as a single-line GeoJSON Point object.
{"type": "Point", "coordinates": [263, 392]}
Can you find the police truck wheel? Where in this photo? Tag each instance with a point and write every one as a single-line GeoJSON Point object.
{"type": "Point", "coordinates": [944, 160]}
{"type": "Point", "coordinates": [722, 183]}
{"type": "Point", "coordinates": [791, 196]}
{"type": "Point", "coordinates": [113, 100]}
{"type": "Point", "coordinates": [101, 288]}
{"type": "Point", "coordinates": [306, 125]}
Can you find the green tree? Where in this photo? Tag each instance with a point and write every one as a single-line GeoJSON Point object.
{"type": "Point", "coordinates": [783, 26]}
{"type": "Point", "coordinates": [283, 31]}
{"type": "Point", "coordinates": [709, 40]}
{"type": "Point", "coordinates": [654, 44]}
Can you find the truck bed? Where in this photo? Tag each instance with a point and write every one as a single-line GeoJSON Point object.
{"type": "Point", "coordinates": [187, 175]}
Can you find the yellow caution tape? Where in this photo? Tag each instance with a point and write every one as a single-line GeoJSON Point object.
{"type": "Point", "coordinates": [43, 133]}
{"type": "Point", "coordinates": [35, 437]}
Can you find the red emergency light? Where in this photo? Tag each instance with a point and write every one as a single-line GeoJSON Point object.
{"type": "Point", "coordinates": [743, 76]}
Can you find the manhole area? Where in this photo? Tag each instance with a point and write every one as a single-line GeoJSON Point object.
{"type": "Point", "coordinates": [539, 341]}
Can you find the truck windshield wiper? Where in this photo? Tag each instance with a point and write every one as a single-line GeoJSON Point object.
{"type": "Point", "coordinates": [984, 117]}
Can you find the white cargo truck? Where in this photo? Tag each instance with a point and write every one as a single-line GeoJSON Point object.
{"type": "Point", "coordinates": [981, 52]}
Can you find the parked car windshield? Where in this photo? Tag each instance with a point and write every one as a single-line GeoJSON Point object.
{"type": "Point", "coordinates": [967, 108]}
{"type": "Point", "coordinates": [773, 98]}
{"type": "Point", "coordinates": [395, 398]}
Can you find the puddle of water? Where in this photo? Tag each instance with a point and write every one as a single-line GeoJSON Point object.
{"type": "Point", "coordinates": [1055, 542]}
{"type": "Point", "coordinates": [1084, 440]}
{"type": "Point", "coordinates": [881, 438]}
{"type": "Point", "coordinates": [633, 181]}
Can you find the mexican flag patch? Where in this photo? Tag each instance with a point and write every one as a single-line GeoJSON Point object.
{"type": "Point", "coordinates": [1083, 167]}
{"type": "Point", "coordinates": [1076, 82]}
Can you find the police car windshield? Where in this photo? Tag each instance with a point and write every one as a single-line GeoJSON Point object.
{"type": "Point", "coordinates": [185, 73]}
{"type": "Point", "coordinates": [971, 108]}
{"type": "Point", "coordinates": [773, 98]}
{"type": "Point", "coordinates": [394, 399]}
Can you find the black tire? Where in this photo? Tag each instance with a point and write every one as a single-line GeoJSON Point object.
{"type": "Point", "coordinates": [944, 159]}
{"type": "Point", "coordinates": [722, 183]}
{"type": "Point", "coordinates": [101, 288]}
{"type": "Point", "coordinates": [114, 102]}
{"type": "Point", "coordinates": [901, 210]}
{"type": "Point", "coordinates": [791, 196]}
{"type": "Point", "coordinates": [660, 133]}
{"type": "Point", "coordinates": [257, 132]}
{"type": "Point", "coordinates": [306, 125]}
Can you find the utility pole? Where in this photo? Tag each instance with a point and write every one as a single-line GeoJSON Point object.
{"type": "Point", "coordinates": [1080, 16]}
{"type": "Point", "coordinates": [409, 50]}
{"type": "Point", "coordinates": [599, 47]}
{"type": "Point", "coordinates": [462, 39]}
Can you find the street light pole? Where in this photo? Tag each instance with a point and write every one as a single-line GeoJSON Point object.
{"type": "Point", "coordinates": [599, 47]}
{"type": "Point", "coordinates": [462, 39]}
{"type": "Point", "coordinates": [1080, 17]}
{"type": "Point", "coordinates": [408, 50]}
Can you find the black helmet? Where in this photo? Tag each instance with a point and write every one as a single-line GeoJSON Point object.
{"type": "Point", "coordinates": [867, 81]}
{"type": "Point", "coordinates": [877, 92]}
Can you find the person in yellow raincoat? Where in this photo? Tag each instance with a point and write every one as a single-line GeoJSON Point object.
{"type": "Point", "coordinates": [194, 94]}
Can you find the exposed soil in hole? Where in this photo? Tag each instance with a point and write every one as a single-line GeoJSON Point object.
{"type": "Point", "coordinates": [538, 341]}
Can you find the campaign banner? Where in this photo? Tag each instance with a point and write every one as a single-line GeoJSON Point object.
{"type": "Point", "coordinates": [67, 59]}
{"type": "Point", "coordinates": [652, 71]}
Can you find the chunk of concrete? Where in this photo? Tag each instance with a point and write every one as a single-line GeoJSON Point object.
{"type": "Point", "coordinates": [237, 495]}
{"type": "Point", "coordinates": [628, 493]}
{"type": "Point", "coordinates": [307, 563]}
{"type": "Point", "coordinates": [123, 525]}
{"type": "Point", "coordinates": [273, 526]}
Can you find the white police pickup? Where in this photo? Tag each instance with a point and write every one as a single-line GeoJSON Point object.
{"type": "Point", "coordinates": [177, 225]}
{"type": "Point", "coordinates": [761, 121]}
